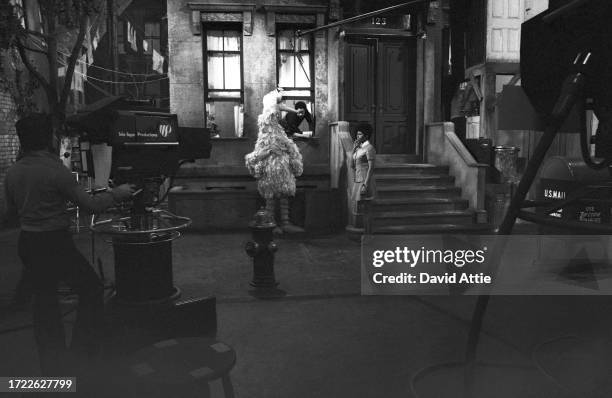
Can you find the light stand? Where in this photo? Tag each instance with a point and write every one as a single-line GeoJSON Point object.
{"type": "Point", "coordinates": [571, 92]}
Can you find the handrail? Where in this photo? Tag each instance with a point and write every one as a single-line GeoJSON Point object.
{"type": "Point", "coordinates": [341, 172]}
{"type": "Point", "coordinates": [443, 147]}
{"type": "Point", "coordinates": [462, 150]}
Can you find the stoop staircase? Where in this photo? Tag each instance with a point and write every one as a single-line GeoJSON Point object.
{"type": "Point", "coordinates": [415, 198]}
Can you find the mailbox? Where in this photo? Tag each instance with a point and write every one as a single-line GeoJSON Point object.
{"type": "Point", "coordinates": [562, 178]}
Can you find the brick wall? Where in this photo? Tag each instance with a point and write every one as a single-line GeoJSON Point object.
{"type": "Point", "coordinates": [9, 144]}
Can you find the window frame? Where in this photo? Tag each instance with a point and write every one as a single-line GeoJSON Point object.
{"type": "Point", "coordinates": [233, 26]}
{"type": "Point", "coordinates": [150, 39]}
{"type": "Point", "coordinates": [311, 54]}
{"type": "Point", "coordinates": [121, 38]}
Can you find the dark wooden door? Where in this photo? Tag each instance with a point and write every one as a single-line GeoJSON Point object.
{"type": "Point", "coordinates": [359, 82]}
{"type": "Point", "coordinates": [380, 83]}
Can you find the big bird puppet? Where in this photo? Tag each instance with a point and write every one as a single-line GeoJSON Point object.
{"type": "Point", "coordinates": [275, 161]}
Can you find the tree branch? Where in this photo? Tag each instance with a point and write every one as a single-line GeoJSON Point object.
{"type": "Point", "coordinates": [50, 15]}
{"type": "Point", "coordinates": [74, 55]}
{"type": "Point", "coordinates": [34, 50]}
{"type": "Point", "coordinates": [24, 58]}
{"type": "Point", "coordinates": [35, 33]}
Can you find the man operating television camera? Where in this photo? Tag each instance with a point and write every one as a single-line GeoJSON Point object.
{"type": "Point", "coordinates": [37, 189]}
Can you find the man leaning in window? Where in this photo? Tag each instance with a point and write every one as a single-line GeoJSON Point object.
{"type": "Point", "coordinates": [292, 120]}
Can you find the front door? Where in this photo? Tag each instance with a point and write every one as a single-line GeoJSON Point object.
{"type": "Point", "coordinates": [380, 88]}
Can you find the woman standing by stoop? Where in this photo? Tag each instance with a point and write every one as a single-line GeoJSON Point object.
{"type": "Point", "coordinates": [364, 156]}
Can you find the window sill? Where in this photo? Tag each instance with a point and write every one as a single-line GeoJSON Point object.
{"type": "Point", "coordinates": [310, 140]}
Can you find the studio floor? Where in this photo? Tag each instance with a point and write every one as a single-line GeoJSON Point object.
{"type": "Point", "coordinates": [323, 339]}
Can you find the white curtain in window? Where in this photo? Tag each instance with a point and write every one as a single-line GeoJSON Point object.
{"type": "Point", "coordinates": [215, 71]}
{"type": "Point", "coordinates": [214, 40]}
{"type": "Point", "coordinates": [151, 44]}
{"type": "Point", "coordinates": [232, 40]}
{"type": "Point", "coordinates": [238, 120]}
{"type": "Point", "coordinates": [210, 114]}
{"type": "Point", "coordinates": [232, 71]}
{"type": "Point", "coordinates": [285, 40]}
{"type": "Point", "coordinates": [286, 71]}
{"type": "Point", "coordinates": [158, 62]}
{"type": "Point", "coordinates": [224, 94]}
{"type": "Point", "coordinates": [304, 43]}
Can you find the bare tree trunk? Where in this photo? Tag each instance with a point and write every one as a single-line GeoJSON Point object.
{"type": "Point", "coordinates": [52, 67]}
{"type": "Point", "coordinates": [74, 57]}
{"type": "Point", "coordinates": [50, 11]}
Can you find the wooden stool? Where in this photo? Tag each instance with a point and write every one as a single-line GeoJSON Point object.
{"type": "Point", "coordinates": [177, 367]}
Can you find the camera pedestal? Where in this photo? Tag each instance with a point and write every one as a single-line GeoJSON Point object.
{"type": "Point", "coordinates": [146, 307]}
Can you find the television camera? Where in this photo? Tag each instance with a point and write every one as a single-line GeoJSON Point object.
{"type": "Point", "coordinates": [148, 148]}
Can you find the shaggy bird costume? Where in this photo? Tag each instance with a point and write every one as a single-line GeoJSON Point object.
{"type": "Point", "coordinates": [275, 161]}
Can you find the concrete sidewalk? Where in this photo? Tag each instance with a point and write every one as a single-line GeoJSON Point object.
{"type": "Point", "coordinates": [217, 264]}
{"type": "Point", "coordinates": [325, 340]}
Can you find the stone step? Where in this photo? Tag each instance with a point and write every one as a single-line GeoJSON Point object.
{"type": "Point", "coordinates": [397, 158]}
{"type": "Point", "coordinates": [419, 204]}
{"type": "Point", "coordinates": [400, 218]}
{"type": "Point", "coordinates": [413, 179]}
{"type": "Point", "coordinates": [410, 168]}
{"type": "Point", "coordinates": [417, 191]}
{"type": "Point", "coordinates": [482, 229]}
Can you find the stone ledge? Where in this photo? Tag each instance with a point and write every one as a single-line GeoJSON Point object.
{"type": "Point", "coordinates": [217, 170]}
{"type": "Point", "coordinates": [227, 209]}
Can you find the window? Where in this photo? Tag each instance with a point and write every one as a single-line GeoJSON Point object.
{"type": "Point", "coordinates": [294, 71]}
{"type": "Point", "coordinates": [152, 37]}
{"type": "Point", "coordinates": [295, 65]}
{"type": "Point", "coordinates": [224, 64]}
{"type": "Point", "coordinates": [121, 38]}
{"type": "Point", "coordinates": [223, 71]}
{"type": "Point", "coordinates": [128, 36]}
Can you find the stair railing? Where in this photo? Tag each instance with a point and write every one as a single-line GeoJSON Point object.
{"type": "Point", "coordinates": [443, 147]}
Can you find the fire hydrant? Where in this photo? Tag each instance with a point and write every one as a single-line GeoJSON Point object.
{"type": "Point", "coordinates": [262, 249]}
